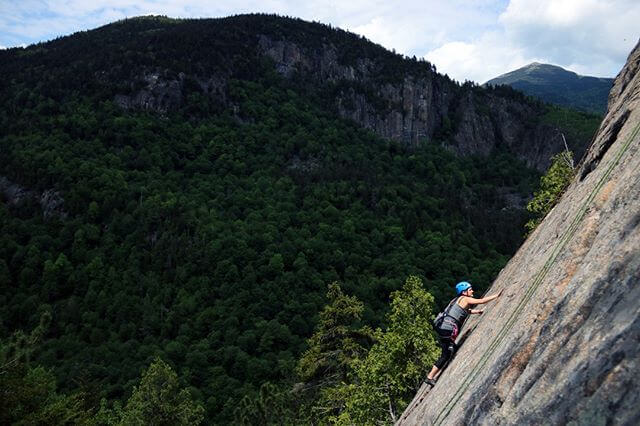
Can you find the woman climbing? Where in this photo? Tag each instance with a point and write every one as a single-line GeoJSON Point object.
{"type": "Point", "coordinates": [448, 324]}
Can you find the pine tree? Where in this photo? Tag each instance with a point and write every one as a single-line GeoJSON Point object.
{"type": "Point", "coordinates": [398, 361]}
{"type": "Point", "coordinates": [159, 400]}
{"type": "Point", "coordinates": [552, 185]}
{"type": "Point", "coordinates": [28, 393]}
{"type": "Point", "coordinates": [335, 345]}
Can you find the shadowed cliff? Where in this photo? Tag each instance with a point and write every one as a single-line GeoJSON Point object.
{"type": "Point", "coordinates": [561, 344]}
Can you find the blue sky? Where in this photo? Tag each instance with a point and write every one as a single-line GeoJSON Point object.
{"type": "Point", "coordinates": [467, 39]}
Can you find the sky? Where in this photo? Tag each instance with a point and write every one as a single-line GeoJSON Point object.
{"type": "Point", "coordinates": [467, 39]}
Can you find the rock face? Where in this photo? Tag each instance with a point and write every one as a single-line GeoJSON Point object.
{"type": "Point", "coordinates": [162, 91]}
{"type": "Point", "coordinates": [395, 97]}
{"type": "Point", "coordinates": [561, 345]}
{"type": "Point", "coordinates": [416, 107]}
{"type": "Point", "coordinates": [50, 201]}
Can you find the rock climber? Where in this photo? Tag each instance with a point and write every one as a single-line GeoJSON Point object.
{"type": "Point", "coordinates": [448, 324]}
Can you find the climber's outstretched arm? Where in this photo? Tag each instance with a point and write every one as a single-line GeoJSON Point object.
{"type": "Point", "coordinates": [466, 301]}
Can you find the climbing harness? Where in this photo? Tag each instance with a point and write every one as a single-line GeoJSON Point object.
{"type": "Point", "coordinates": [437, 322]}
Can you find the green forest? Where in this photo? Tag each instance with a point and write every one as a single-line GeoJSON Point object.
{"type": "Point", "coordinates": [205, 248]}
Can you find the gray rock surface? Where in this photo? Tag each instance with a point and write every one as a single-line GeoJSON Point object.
{"type": "Point", "coordinates": [415, 106]}
{"type": "Point", "coordinates": [50, 201]}
{"type": "Point", "coordinates": [163, 91]}
{"type": "Point", "coordinates": [561, 345]}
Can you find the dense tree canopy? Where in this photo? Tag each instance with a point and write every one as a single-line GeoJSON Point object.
{"type": "Point", "coordinates": [206, 235]}
{"type": "Point", "coordinates": [212, 241]}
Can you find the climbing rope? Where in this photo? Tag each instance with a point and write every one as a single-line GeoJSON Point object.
{"type": "Point", "coordinates": [564, 239]}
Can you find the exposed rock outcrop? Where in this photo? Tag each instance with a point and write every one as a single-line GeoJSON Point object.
{"type": "Point", "coordinates": [397, 98]}
{"type": "Point", "coordinates": [561, 344]}
{"type": "Point", "coordinates": [50, 201]}
{"type": "Point", "coordinates": [162, 91]}
{"type": "Point", "coordinates": [416, 107]}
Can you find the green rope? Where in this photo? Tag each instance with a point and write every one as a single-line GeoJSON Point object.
{"type": "Point", "coordinates": [564, 239]}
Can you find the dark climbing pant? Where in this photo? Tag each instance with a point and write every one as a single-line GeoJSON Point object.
{"type": "Point", "coordinates": [447, 343]}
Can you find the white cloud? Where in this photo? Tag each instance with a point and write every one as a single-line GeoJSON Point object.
{"type": "Point", "coordinates": [479, 60]}
{"type": "Point", "coordinates": [591, 37]}
{"type": "Point", "coordinates": [587, 33]}
{"type": "Point", "coordinates": [381, 31]}
{"type": "Point", "coordinates": [409, 27]}
{"type": "Point", "coordinates": [468, 39]}
{"type": "Point", "coordinates": [414, 27]}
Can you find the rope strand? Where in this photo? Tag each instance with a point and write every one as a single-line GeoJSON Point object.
{"type": "Point", "coordinates": [564, 239]}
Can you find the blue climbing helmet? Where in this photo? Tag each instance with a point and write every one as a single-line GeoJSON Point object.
{"type": "Point", "coordinates": [462, 286]}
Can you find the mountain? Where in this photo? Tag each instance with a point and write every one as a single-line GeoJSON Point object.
{"type": "Point", "coordinates": [558, 86]}
{"type": "Point", "coordinates": [143, 64]}
{"type": "Point", "coordinates": [560, 345]}
{"type": "Point", "coordinates": [187, 189]}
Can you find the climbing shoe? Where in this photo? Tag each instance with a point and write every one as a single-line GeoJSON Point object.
{"type": "Point", "coordinates": [430, 382]}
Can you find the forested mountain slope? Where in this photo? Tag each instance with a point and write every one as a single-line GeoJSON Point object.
{"type": "Point", "coordinates": [162, 65]}
{"type": "Point", "coordinates": [556, 85]}
{"type": "Point", "coordinates": [188, 188]}
{"type": "Point", "coordinates": [561, 344]}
